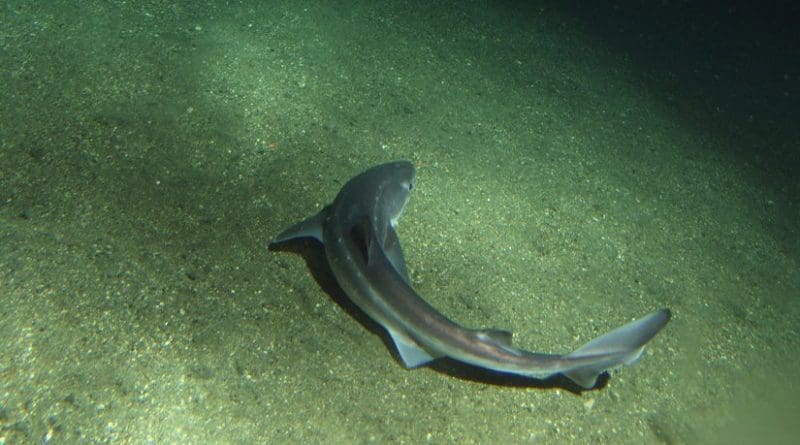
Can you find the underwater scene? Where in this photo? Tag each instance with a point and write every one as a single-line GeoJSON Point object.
{"type": "Point", "coordinates": [598, 205]}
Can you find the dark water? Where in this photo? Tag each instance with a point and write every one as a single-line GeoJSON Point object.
{"type": "Point", "coordinates": [579, 166]}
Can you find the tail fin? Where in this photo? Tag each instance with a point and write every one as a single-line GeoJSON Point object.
{"type": "Point", "coordinates": [622, 346]}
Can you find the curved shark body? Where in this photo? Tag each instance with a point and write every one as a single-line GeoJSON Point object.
{"type": "Point", "coordinates": [364, 253]}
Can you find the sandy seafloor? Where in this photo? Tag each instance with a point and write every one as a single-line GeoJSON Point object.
{"type": "Point", "coordinates": [579, 166]}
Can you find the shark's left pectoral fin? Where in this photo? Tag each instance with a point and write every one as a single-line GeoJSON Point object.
{"type": "Point", "coordinates": [412, 354]}
{"type": "Point", "coordinates": [307, 228]}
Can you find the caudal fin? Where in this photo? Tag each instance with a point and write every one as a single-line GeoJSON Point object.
{"type": "Point", "coordinates": [622, 346]}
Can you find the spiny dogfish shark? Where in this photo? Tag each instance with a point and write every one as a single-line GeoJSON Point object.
{"type": "Point", "coordinates": [364, 254]}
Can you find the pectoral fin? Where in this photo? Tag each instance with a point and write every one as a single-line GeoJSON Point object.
{"type": "Point", "coordinates": [307, 228]}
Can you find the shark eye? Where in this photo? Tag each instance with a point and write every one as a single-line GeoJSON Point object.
{"type": "Point", "coordinates": [410, 186]}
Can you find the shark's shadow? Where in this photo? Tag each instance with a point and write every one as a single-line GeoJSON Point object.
{"type": "Point", "coordinates": [314, 256]}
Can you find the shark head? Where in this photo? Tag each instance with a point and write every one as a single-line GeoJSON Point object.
{"type": "Point", "coordinates": [382, 192]}
{"type": "Point", "coordinates": [374, 199]}
{"type": "Point", "coordinates": [365, 212]}
{"type": "Point", "coordinates": [397, 186]}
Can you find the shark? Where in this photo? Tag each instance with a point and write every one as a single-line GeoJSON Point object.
{"type": "Point", "coordinates": [359, 234]}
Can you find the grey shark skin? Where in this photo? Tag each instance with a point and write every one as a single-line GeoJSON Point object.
{"type": "Point", "coordinates": [364, 254]}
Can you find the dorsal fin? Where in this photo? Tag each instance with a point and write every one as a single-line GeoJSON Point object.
{"type": "Point", "coordinates": [499, 336]}
{"type": "Point", "coordinates": [395, 253]}
{"type": "Point", "coordinates": [360, 233]}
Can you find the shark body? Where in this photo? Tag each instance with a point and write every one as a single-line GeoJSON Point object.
{"type": "Point", "coordinates": [364, 254]}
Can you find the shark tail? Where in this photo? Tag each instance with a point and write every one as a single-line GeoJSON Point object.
{"type": "Point", "coordinates": [622, 346]}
